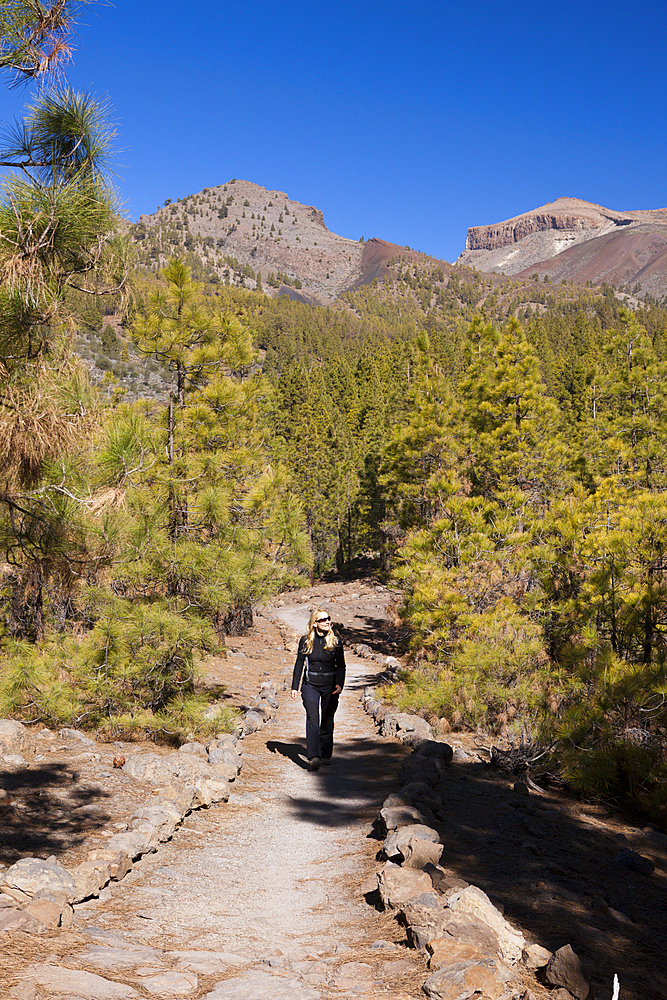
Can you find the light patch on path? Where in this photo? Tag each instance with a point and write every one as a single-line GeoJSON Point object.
{"type": "Point", "coordinates": [296, 618]}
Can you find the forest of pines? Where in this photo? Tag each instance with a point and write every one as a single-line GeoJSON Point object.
{"type": "Point", "coordinates": [506, 473]}
{"type": "Point", "coordinates": [495, 448]}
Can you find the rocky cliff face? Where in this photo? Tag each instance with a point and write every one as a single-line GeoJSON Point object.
{"type": "Point", "coordinates": [541, 234]}
{"type": "Point", "coordinates": [505, 233]}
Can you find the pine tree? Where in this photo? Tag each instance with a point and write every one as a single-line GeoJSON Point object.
{"type": "Point", "coordinates": [631, 412]}
{"type": "Point", "coordinates": [60, 229]}
{"type": "Point", "coordinates": [513, 424]}
{"type": "Point", "coordinates": [218, 505]}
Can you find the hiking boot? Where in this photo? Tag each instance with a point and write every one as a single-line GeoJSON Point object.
{"type": "Point", "coordinates": [314, 763]}
{"type": "Point", "coordinates": [326, 760]}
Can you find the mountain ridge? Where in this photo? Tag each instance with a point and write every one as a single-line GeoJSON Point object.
{"type": "Point", "coordinates": [241, 233]}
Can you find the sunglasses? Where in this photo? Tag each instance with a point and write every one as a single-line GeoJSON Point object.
{"type": "Point", "coordinates": [320, 620]}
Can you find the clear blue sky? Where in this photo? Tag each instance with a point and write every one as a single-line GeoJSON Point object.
{"type": "Point", "coordinates": [409, 122]}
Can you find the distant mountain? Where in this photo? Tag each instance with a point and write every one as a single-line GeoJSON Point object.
{"type": "Point", "coordinates": [239, 230]}
{"type": "Point", "coordinates": [239, 233]}
{"type": "Point", "coordinates": [577, 241]}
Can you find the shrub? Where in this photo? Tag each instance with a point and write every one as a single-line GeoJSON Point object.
{"type": "Point", "coordinates": [135, 669]}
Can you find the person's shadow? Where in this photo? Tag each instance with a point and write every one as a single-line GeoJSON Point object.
{"type": "Point", "coordinates": [295, 752]}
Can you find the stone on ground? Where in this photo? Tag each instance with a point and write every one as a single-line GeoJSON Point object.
{"type": "Point", "coordinates": [397, 885]}
{"type": "Point", "coordinates": [564, 968]}
{"type": "Point", "coordinates": [85, 984]}
{"type": "Point", "coordinates": [257, 985]}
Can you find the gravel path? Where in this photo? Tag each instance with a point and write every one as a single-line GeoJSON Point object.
{"type": "Point", "coordinates": [265, 871]}
{"type": "Point", "coordinates": [269, 886]}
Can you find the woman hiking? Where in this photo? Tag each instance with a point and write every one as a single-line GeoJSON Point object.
{"type": "Point", "coordinates": [321, 651]}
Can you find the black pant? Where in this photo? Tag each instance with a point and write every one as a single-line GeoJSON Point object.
{"type": "Point", "coordinates": [319, 727]}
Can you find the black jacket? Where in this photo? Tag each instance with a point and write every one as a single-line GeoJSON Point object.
{"type": "Point", "coordinates": [326, 667]}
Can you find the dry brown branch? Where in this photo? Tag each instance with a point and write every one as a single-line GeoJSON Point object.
{"type": "Point", "coordinates": [110, 499]}
{"type": "Point", "coordinates": [35, 425]}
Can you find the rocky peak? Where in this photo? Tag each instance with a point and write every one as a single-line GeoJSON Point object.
{"type": "Point", "coordinates": [540, 234]}
{"type": "Point", "coordinates": [247, 234]}
{"type": "Point", "coordinates": [565, 214]}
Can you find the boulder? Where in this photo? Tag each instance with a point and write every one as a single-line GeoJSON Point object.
{"type": "Point", "coordinates": [160, 813]}
{"type": "Point", "coordinates": [196, 748]}
{"type": "Point", "coordinates": [13, 736]}
{"type": "Point", "coordinates": [397, 816]}
{"type": "Point", "coordinates": [446, 951]}
{"type": "Point", "coordinates": [158, 769]}
{"type": "Point", "coordinates": [207, 783]}
{"type": "Point", "coordinates": [377, 710]}
{"type": "Point", "coordinates": [428, 917]}
{"type": "Point", "coordinates": [252, 722]}
{"type": "Point", "coordinates": [476, 903]}
{"type": "Point", "coordinates": [415, 845]}
{"type": "Point", "coordinates": [417, 853]}
{"type": "Point", "coordinates": [262, 707]}
{"type": "Point", "coordinates": [428, 769]}
{"type": "Point", "coordinates": [446, 885]}
{"type": "Point", "coordinates": [402, 724]}
{"type": "Point", "coordinates": [29, 875]}
{"type": "Point", "coordinates": [433, 748]}
{"type": "Point", "coordinates": [212, 788]}
{"type": "Point", "coordinates": [46, 911]}
{"type": "Point", "coordinates": [146, 836]}
{"type": "Point", "coordinates": [76, 734]}
{"type": "Point", "coordinates": [396, 800]}
{"type": "Point", "coordinates": [13, 918]}
{"type": "Point", "coordinates": [397, 885]}
{"type": "Point", "coordinates": [225, 770]}
{"type": "Point", "coordinates": [421, 791]}
{"type": "Point", "coordinates": [182, 796]}
{"type": "Point", "coordinates": [118, 862]}
{"type": "Point", "coordinates": [535, 956]}
{"type": "Point", "coordinates": [89, 878]}
{"type": "Point", "coordinates": [131, 842]}
{"type": "Point", "coordinates": [564, 968]}
{"type": "Point", "coordinates": [425, 916]}
{"type": "Point", "coordinates": [486, 976]}
{"type": "Point", "coordinates": [634, 862]}
{"type": "Point", "coordinates": [56, 899]}
{"type": "Point", "coordinates": [225, 741]}
{"type": "Point", "coordinates": [225, 755]}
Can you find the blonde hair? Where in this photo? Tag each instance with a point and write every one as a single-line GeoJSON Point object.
{"type": "Point", "coordinates": [331, 640]}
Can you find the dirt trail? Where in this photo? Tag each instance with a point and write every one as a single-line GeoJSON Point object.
{"type": "Point", "coordinates": [273, 883]}
{"type": "Point", "coordinates": [277, 867]}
